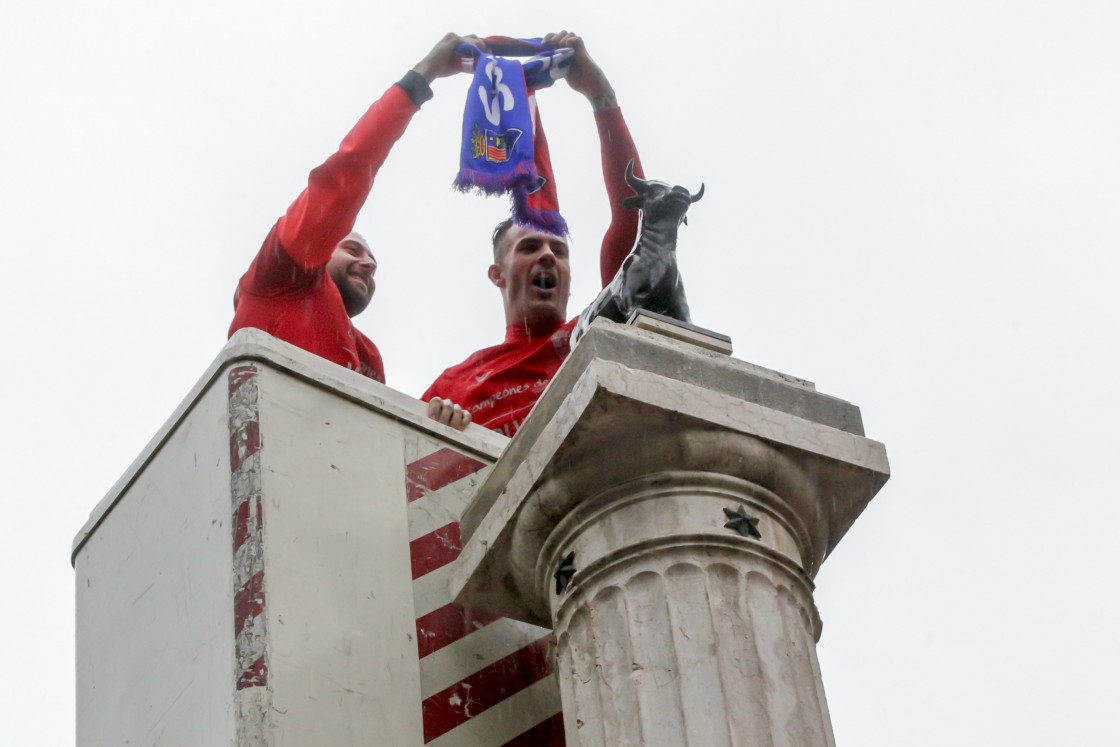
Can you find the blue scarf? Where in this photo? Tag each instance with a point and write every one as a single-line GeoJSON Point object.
{"type": "Point", "coordinates": [504, 149]}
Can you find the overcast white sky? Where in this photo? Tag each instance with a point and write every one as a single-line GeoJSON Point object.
{"type": "Point", "coordinates": [914, 204]}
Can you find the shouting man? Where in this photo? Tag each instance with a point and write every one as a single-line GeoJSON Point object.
{"type": "Point", "coordinates": [499, 385]}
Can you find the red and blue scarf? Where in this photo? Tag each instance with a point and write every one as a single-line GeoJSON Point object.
{"type": "Point", "coordinates": [504, 148]}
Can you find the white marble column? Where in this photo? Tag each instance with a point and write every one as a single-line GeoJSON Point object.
{"type": "Point", "coordinates": [683, 623]}
{"type": "Point", "coordinates": [669, 532]}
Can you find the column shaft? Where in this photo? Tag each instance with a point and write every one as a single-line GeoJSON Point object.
{"type": "Point", "coordinates": [690, 635]}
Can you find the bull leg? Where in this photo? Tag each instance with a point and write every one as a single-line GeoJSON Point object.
{"type": "Point", "coordinates": [638, 284]}
{"type": "Point", "coordinates": [677, 306]}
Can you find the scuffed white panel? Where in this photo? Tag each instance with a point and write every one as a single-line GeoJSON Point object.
{"type": "Point", "coordinates": [343, 667]}
{"type": "Point", "coordinates": [248, 580]}
{"type": "Point", "coordinates": [154, 634]}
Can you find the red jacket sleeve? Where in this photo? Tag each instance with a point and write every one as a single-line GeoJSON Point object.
{"type": "Point", "coordinates": [617, 149]}
{"type": "Point", "coordinates": [304, 238]}
{"type": "Point", "coordinates": [325, 212]}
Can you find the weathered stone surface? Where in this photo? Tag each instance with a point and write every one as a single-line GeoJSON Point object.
{"type": "Point", "coordinates": [700, 369]}
{"type": "Point", "coordinates": [603, 422]}
{"type": "Point", "coordinates": [664, 510]}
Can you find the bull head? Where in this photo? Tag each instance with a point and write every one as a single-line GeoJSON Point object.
{"type": "Point", "coordinates": [658, 201]}
{"type": "Point", "coordinates": [647, 189]}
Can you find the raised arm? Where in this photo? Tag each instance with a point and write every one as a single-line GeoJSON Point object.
{"type": "Point", "coordinates": [616, 147]}
{"type": "Point", "coordinates": [325, 211]}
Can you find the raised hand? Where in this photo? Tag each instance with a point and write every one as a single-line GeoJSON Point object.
{"type": "Point", "coordinates": [442, 60]}
{"type": "Point", "coordinates": [584, 76]}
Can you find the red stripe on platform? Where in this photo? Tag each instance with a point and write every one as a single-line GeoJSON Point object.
{"type": "Point", "coordinates": [249, 601]}
{"type": "Point", "coordinates": [241, 522]}
{"type": "Point", "coordinates": [435, 549]}
{"type": "Point", "coordinates": [548, 733]}
{"type": "Point", "coordinates": [436, 470]}
{"type": "Point", "coordinates": [238, 376]}
{"type": "Point", "coordinates": [449, 623]}
{"type": "Point", "coordinates": [255, 676]}
{"type": "Point", "coordinates": [247, 436]}
{"type": "Point", "coordinates": [491, 685]}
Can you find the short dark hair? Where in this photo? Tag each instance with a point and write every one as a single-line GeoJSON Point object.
{"type": "Point", "coordinates": [499, 233]}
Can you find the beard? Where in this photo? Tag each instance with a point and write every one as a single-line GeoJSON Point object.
{"type": "Point", "coordinates": [355, 296]}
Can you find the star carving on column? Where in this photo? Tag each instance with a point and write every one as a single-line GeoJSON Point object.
{"type": "Point", "coordinates": [741, 523]}
{"type": "Point", "coordinates": [565, 571]}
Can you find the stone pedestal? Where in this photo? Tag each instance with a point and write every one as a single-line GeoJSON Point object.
{"type": "Point", "coordinates": [664, 510]}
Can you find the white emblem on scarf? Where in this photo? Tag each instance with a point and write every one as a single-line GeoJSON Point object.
{"type": "Point", "coordinates": [499, 90]}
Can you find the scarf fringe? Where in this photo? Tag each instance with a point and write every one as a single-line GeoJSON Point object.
{"type": "Point", "coordinates": [549, 221]}
{"type": "Point", "coordinates": [488, 183]}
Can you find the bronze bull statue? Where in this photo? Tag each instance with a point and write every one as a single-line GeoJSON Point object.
{"type": "Point", "coordinates": [648, 278]}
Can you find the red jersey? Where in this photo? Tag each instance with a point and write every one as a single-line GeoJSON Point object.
{"type": "Point", "coordinates": [500, 385]}
{"type": "Point", "coordinates": [286, 291]}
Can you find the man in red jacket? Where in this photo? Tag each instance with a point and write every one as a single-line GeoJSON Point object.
{"type": "Point", "coordinates": [499, 385]}
{"type": "Point", "coordinates": [313, 272]}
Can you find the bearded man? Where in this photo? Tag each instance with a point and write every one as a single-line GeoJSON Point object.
{"type": "Point", "coordinates": [314, 272]}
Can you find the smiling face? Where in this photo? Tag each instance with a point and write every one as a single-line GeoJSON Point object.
{"type": "Point", "coordinates": [352, 267]}
{"type": "Point", "coordinates": [531, 269]}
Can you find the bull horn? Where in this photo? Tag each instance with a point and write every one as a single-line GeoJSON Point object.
{"type": "Point", "coordinates": [636, 184]}
{"type": "Point", "coordinates": [698, 195]}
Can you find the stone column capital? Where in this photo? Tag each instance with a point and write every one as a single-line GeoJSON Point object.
{"type": "Point", "coordinates": [630, 404]}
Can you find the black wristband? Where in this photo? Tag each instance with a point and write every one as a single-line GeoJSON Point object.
{"type": "Point", "coordinates": [416, 87]}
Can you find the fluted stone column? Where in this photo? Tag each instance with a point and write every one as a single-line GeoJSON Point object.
{"type": "Point", "coordinates": [664, 510]}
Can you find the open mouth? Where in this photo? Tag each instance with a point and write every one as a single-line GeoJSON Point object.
{"type": "Point", "coordinates": [544, 281]}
